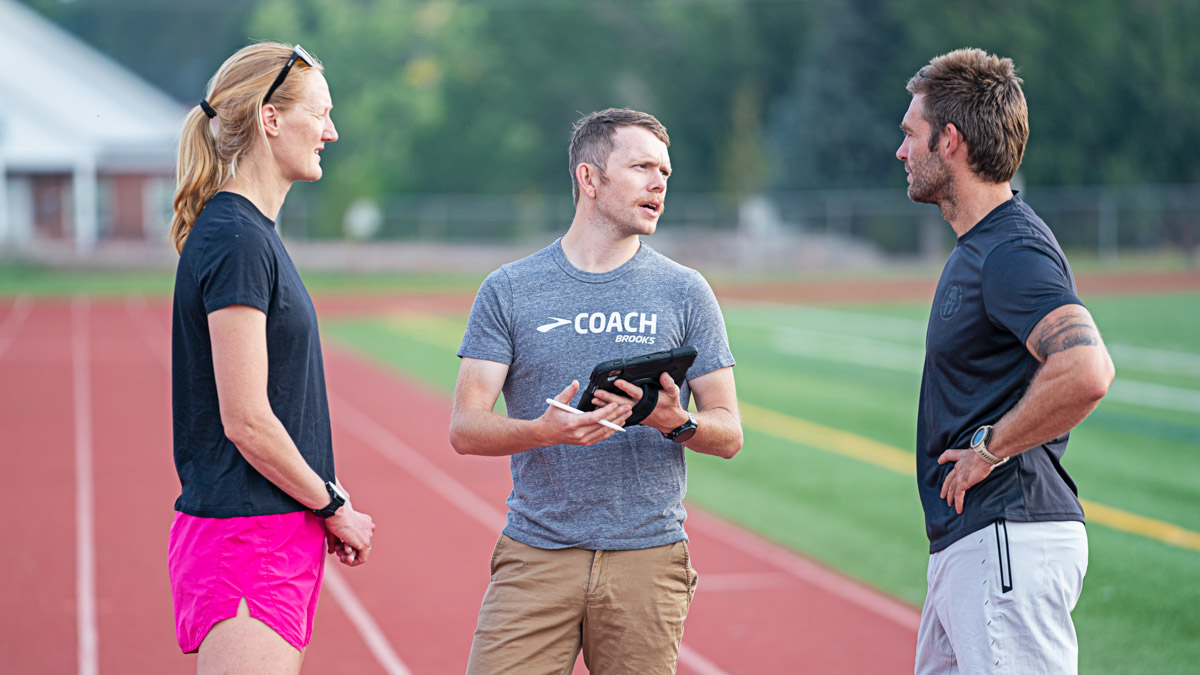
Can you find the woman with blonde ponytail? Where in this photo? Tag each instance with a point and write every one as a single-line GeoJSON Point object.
{"type": "Point", "coordinates": [260, 503]}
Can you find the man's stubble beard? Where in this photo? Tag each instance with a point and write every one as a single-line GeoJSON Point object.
{"type": "Point", "coordinates": [932, 184]}
{"type": "Point", "coordinates": [622, 221]}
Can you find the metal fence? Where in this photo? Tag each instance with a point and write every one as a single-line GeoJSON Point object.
{"type": "Point", "coordinates": [776, 232]}
{"type": "Point", "coordinates": [1103, 220]}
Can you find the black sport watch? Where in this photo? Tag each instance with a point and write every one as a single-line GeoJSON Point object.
{"type": "Point", "coordinates": [684, 432]}
{"type": "Point", "coordinates": [337, 498]}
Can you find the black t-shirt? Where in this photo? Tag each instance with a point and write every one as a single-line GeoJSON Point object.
{"type": "Point", "coordinates": [1003, 277]}
{"type": "Point", "coordinates": [234, 257]}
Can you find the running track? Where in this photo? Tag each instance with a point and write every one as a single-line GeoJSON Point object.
{"type": "Point", "coordinates": [85, 434]}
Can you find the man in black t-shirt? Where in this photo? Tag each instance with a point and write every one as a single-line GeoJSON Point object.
{"type": "Point", "coordinates": [1013, 362]}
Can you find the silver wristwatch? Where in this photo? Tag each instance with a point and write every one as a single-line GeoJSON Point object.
{"type": "Point", "coordinates": [979, 444]}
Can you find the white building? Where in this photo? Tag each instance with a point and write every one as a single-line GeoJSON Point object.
{"type": "Point", "coordinates": [87, 149]}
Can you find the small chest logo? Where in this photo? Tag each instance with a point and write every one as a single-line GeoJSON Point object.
{"type": "Point", "coordinates": [554, 324]}
{"type": "Point", "coordinates": [951, 301]}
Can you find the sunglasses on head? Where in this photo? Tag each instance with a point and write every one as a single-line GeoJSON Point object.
{"type": "Point", "coordinates": [297, 53]}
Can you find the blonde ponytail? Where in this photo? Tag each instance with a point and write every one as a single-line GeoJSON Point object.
{"type": "Point", "coordinates": [199, 173]}
{"type": "Point", "coordinates": [209, 148]}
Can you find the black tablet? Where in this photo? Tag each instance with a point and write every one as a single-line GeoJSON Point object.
{"type": "Point", "coordinates": [642, 371]}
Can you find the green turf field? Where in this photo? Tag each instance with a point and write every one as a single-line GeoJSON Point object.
{"type": "Point", "coordinates": [829, 399]}
{"type": "Point", "coordinates": [39, 281]}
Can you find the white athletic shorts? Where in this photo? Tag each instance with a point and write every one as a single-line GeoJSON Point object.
{"type": "Point", "coordinates": [1000, 601]}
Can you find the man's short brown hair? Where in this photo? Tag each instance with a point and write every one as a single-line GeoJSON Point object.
{"type": "Point", "coordinates": [980, 94]}
{"type": "Point", "coordinates": [592, 140]}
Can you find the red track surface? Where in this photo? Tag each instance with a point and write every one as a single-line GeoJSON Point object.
{"type": "Point", "coordinates": [91, 380]}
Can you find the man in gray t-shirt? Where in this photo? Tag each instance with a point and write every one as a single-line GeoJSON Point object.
{"type": "Point", "coordinates": [594, 555]}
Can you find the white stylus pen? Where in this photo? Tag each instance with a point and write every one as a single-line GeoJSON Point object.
{"type": "Point", "coordinates": [577, 411]}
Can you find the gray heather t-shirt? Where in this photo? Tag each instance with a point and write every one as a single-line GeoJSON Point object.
{"type": "Point", "coordinates": [552, 323]}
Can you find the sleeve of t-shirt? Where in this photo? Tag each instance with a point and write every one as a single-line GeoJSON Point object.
{"type": "Point", "coordinates": [1023, 281]}
{"type": "Point", "coordinates": [236, 270]}
{"type": "Point", "coordinates": [706, 330]}
{"type": "Point", "coordinates": [488, 335]}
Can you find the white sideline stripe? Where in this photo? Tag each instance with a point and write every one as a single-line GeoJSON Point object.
{"type": "Point", "coordinates": [1155, 360]}
{"type": "Point", "coordinates": [906, 331]}
{"type": "Point", "coordinates": [365, 623]}
{"type": "Point", "coordinates": [400, 453]}
{"type": "Point", "coordinates": [85, 542]}
{"type": "Point", "coordinates": [359, 616]}
{"type": "Point", "coordinates": [1161, 396]}
{"type": "Point", "coordinates": [853, 349]}
{"type": "Point", "coordinates": [813, 573]}
{"type": "Point", "coordinates": [21, 309]}
{"type": "Point", "coordinates": [872, 353]}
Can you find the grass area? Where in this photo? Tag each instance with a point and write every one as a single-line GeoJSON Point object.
{"type": "Point", "coordinates": [857, 370]}
{"type": "Point", "coordinates": [19, 279]}
{"type": "Point", "coordinates": [423, 346]}
{"type": "Point", "coordinates": [391, 282]}
{"type": "Point", "coordinates": [23, 278]}
{"type": "Point", "coordinates": [1085, 261]}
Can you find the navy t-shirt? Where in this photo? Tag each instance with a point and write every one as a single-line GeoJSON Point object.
{"type": "Point", "coordinates": [233, 256]}
{"type": "Point", "coordinates": [1004, 276]}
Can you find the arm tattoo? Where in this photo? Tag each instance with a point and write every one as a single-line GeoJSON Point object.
{"type": "Point", "coordinates": [1063, 333]}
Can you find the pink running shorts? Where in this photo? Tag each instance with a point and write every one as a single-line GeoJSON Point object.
{"type": "Point", "coordinates": [275, 562]}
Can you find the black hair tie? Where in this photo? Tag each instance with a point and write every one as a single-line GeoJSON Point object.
{"type": "Point", "coordinates": [207, 109]}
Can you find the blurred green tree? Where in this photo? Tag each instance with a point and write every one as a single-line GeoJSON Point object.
{"type": "Point", "coordinates": [477, 96]}
{"type": "Point", "coordinates": [449, 97]}
{"type": "Point", "coordinates": [835, 123]}
{"type": "Point", "coordinates": [175, 46]}
{"type": "Point", "coordinates": [1113, 86]}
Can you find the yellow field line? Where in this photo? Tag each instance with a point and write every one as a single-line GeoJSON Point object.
{"type": "Point", "coordinates": [439, 331]}
{"type": "Point", "coordinates": [1146, 527]}
{"type": "Point", "coordinates": [842, 443]}
{"type": "Point", "coordinates": [846, 444]}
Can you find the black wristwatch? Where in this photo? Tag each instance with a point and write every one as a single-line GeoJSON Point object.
{"type": "Point", "coordinates": [684, 432]}
{"type": "Point", "coordinates": [337, 498]}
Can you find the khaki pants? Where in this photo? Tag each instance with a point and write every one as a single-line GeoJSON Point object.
{"type": "Point", "coordinates": [625, 609]}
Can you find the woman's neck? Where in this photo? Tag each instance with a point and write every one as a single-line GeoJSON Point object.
{"type": "Point", "coordinates": [259, 181]}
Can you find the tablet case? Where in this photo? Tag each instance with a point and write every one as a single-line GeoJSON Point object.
{"type": "Point", "coordinates": [643, 371]}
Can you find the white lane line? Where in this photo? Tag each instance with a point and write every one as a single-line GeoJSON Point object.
{"type": "Point", "coordinates": [365, 623]}
{"type": "Point", "coordinates": [810, 572]}
{"type": "Point", "coordinates": [400, 453]}
{"type": "Point", "coordinates": [21, 309]}
{"type": "Point", "coordinates": [158, 340]}
{"type": "Point", "coordinates": [746, 581]}
{"type": "Point", "coordinates": [694, 661]}
{"type": "Point", "coordinates": [852, 349]}
{"type": "Point", "coordinates": [85, 551]}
